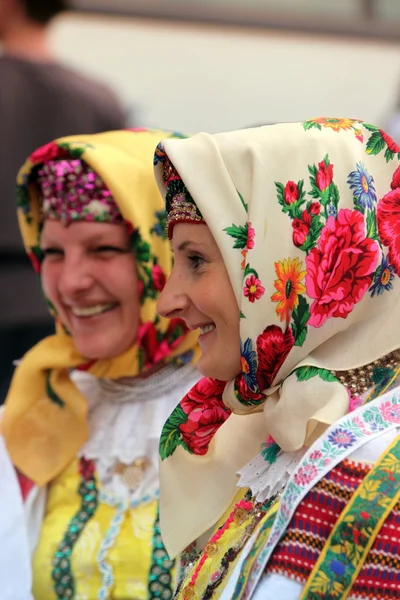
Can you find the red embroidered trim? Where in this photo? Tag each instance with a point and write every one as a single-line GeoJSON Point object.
{"type": "Point", "coordinates": [312, 523]}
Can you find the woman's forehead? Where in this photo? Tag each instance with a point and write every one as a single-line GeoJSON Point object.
{"type": "Point", "coordinates": [82, 231]}
{"type": "Point", "coordinates": [185, 234]}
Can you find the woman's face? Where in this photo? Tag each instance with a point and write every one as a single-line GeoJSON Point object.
{"type": "Point", "coordinates": [89, 275]}
{"type": "Point", "coordinates": [200, 292]}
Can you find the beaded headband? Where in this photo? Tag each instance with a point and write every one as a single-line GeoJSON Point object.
{"type": "Point", "coordinates": [179, 204]}
{"type": "Point", "coordinates": [72, 191]}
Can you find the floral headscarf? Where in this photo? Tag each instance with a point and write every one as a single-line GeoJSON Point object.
{"type": "Point", "coordinates": [44, 422]}
{"type": "Point", "coordinates": [307, 218]}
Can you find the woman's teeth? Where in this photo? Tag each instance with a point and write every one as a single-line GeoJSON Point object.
{"type": "Point", "coordinates": [91, 311]}
{"type": "Point", "coordinates": [207, 328]}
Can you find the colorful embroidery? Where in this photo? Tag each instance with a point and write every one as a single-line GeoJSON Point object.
{"type": "Point", "coordinates": [262, 536]}
{"type": "Point", "coordinates": [353, 535]}
{"type": "Point", "coordinates": [160, 579]}
{"type": "Point", "coordinates": [243, 519]}
{"type": "Point", "coordinates": [107, 542]}
{"type": "Point", "coordinates": [342, 438]}
{"type": "Point", "coordinates": [64, 585]}
{"type": "Point", "coordinates": [160, 583]}
{"type": "Point", "coordinates": [297, 553]}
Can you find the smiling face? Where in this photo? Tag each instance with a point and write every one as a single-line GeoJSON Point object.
{"type": "Point", "coordinates": [200, 292]}
{"type": "Point", "coordinates": [89, 275]}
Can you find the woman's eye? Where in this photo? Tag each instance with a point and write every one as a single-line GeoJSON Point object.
{"type": "Point", "coordinates": [110, 249]}
{"type": "Point", "coordinates": [196, 261]}
{"type": "Point", "coordinates": [52, 252]}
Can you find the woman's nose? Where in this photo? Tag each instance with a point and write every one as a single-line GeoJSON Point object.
{"type": "Point", "coordinates": [172, 301]}
{"type": "Point", "coordinates": [75, 276]}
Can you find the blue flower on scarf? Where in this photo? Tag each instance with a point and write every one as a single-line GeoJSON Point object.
{"type": "Point", "coordinates": [248, 361]}
{"type": "Point", "coordinates": [362, 185]}
{"type": "Point", "coordinates": [331, 210]}
{"type": "Point", "coordinates": [159, 227]}
{"type": "Point", "coordinates": [383, 278]}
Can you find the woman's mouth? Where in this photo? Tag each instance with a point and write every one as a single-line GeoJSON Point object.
{"type": "Point", "coordinates": [92, 311]}
{"type": "Point", "coordinates": [206, 328]}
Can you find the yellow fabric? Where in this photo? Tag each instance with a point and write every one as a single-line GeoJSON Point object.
{"type": "Point", "coordinates": [314, 264]}
{"type": "Point", "coordinates": [129, 557]}
{"type": "Point", "coordinates": [212, 565]}
{"type": "Point", "coordinates": [43, 435]}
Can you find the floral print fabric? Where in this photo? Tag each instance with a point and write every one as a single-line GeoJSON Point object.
{"type": "Point", "coordinates": [306, 218]}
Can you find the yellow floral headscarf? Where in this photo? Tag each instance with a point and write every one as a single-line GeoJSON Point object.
{"type": "Point", "coordinates": [44, 421]}
{"type": "Point", "coordinates": [306, 216]}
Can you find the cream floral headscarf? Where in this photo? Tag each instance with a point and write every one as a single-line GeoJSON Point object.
{"type": "Point", "coordinates": [307, 218]}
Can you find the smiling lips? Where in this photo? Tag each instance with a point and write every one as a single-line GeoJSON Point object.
{"type": "Point", "coordinates": [91, 311]}
{"type": "Point", "coordinates": [207, 328]}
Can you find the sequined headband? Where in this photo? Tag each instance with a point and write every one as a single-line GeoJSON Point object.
{"type": "Point", "coordinates": [72, 191]}
{"type": "Point", "coordinates": [180, 205]}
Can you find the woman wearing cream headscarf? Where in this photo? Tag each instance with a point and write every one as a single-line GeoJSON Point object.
{"type": "Point", "coordinates": [85, 409]}
{"type": "Point", "coordinates": [287, 258]}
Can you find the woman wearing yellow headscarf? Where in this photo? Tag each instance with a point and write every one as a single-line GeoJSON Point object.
{"type": "Point", "coordinates": [287, 258]}
{"type": "Point", "coordinates": [85, 408]}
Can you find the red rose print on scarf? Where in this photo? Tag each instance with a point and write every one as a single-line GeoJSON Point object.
{"type": "Point", "coordinates": [388, 217]}
{"type": "Point", "coordinates": [206, 413]}
{"type": "Point", "coordinates": [291, 192]}
{"type": "Point", "coordinates": [155, 347]}
{"type": "Point", "coordinates": [391, 144]}
{"type": "Point", "coordinates": [158, 277]}
{"type": "Point", "coordinates": [315, 208]}
{"type": "Point", "coordinates": [250, 237]}
{"type": "Point", "coordinates": [324, 176]}
{"type": "Point", "coordinates": [396, 179]}
{"type": "Point", "coordinates": [340, 269]}
{"type": "Point", "coordinates": [35, 262]}
{"type": "Point", "coordinates": [273, 346]}
{"type": "Point", "coordinates": [47, 152]}
{"type": "Point", "coordinates": [301, 228]}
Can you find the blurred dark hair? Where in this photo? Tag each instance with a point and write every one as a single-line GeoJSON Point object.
{"type": "Point", "coordinates": [42, 11]}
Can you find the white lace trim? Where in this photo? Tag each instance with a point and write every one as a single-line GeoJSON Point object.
{"type": "Point", "coordinates": [265, 479]}
{"type": "Point", "coordinates": [125, 420]}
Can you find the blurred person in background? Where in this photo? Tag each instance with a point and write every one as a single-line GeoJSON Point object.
{"type": "Point", "coordinates": [40, 100]}
{"type": "Point", "coordinates": [84, 413]}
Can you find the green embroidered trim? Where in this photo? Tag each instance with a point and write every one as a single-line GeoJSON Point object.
{"type": "Point", "coordinates": [160, 578]}
{"type": "Point", "coordinates": [64, 584]}
{"type": "Point", "coordinates": [355, 532]}
{"type": "Point", "coordinates": [262, 536]}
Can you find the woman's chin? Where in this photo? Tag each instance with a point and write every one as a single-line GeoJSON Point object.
{"type": "Point", "coordinates": [99, 349]}
{"type": "Point", "coordinates": [220, 368]}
